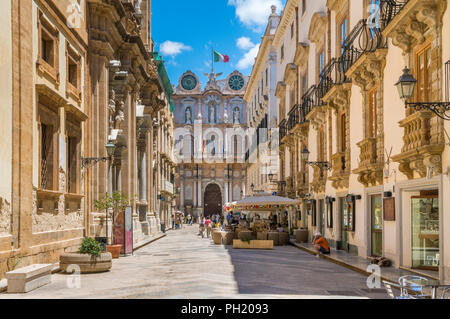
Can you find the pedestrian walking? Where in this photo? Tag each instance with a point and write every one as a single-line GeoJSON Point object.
{"type": "Point", "coordinates": [201, 228]}
{"type": "Point", "coordinates": [208, 225]}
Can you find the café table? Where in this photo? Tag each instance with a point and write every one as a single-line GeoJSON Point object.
{"type": "Point", "coordinates": [434, 285]}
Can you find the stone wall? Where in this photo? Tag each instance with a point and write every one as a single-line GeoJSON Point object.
{"type": "Point", "coordinates": [5, 217]}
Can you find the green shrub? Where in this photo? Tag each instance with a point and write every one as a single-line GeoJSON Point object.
{"type": "Point", "coordinates": [90, 246]}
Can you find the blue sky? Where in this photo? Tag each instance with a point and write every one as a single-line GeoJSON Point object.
{"type": "Point", "coordinates": [185, 31]}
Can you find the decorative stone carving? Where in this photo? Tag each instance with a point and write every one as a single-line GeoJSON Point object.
{"type": "Point", "coordinates": [5, 217]}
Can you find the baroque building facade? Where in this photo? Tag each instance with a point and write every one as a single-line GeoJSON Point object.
{"type": "Point", "coordinates": [77, 76]}
{"type": "Point", "coordinates": [374, 176]}
{"type": "Point", "coordinates": [210, 141]}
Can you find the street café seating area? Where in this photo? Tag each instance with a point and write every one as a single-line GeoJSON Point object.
{"type": "Point", "coordinates": [263, 213]}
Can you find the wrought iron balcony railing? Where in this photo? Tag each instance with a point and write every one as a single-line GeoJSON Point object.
{"type": "Point", "coordinates": [364, 38]}
{"type": "Point", "coordinates": [332, 74]}
{"type": "Point", "coordinates": [389, 9]}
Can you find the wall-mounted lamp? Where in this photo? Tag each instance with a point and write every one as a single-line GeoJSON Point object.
{"type": "Point", "coordinates": [305, 157]}
{"type": "Point", "coordinates": [90, 161]}
{"type": "Point", "coordinates": [406, 85]}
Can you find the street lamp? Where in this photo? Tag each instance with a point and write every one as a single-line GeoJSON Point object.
{"type": "Point", "coordinates": [305, 157]}
{"type": "Point", "coordinates": [406, 85]}
{"type": "Point", "coordinates": [90, 161]}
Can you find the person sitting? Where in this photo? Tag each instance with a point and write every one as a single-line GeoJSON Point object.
{"type": "Point", "coordinates": [280, 229]}
{"type": "Point", "coordinates": [320, 245]}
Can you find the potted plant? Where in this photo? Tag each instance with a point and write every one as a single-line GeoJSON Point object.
{"type": "Point", "coordinates": [116, 203]}
{"type": "Point", "coordinates": [89, 258]}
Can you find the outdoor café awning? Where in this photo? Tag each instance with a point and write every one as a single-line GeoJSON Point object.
{"type": "Point", "coordinates": [263, 201]}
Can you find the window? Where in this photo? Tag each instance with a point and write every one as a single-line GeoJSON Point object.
{"type": "Point", "coordinates": [303, 7]}
{"type": "Point", "coordinates": [343, 131]}
{"type": "Point", "coordinates": [304, 84]}
{"type": "Point", "coordinates": [47, 49]}
{"type": "Point", "coordinates": [343, 33]}
{"type": "Point", "coordinates": [282, 52]}
{"type": "Point", "coordinates": [374, 18]}
{"type": "Point", "coordinates": [321, 62]}
{"type": "Point", "coordinates": [47, 156]}
{"type": "Point", "coordinates": [267, 77]}
{"type": "Point", "coordinates": [423, 74]}
{"type": "Point", "coordinates": [372, 116]}
{"type": "Point", "coordinates": [72, 164]}
{"type": "Point", "coordinates": [292, 30]}
{"type": "Point", "coordinates": [73, 69]}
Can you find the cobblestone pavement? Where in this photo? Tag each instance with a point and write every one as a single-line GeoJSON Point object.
{"type": "Point", "coordinates": [183, 265]}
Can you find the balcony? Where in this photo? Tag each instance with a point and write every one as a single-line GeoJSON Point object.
{"type": "Point", "coordinates": [371, 162]}
{"type": "Point", "coordinates": [314, 106]}
{"type": "Point", "coordinates": [302, 184]}
{"type": "Point", "coordinates": [290, 187]}
{"type": "Point", "coordinates": [167, 187]}
{"type": "Point", "coordinates": [333, 74]}
{"type": "Point", "coordinates": [423, 144]}
{"type": "Point", "coordinates": [410, 22]}
{"type": "Point", "coordinates": [319, 180]}
{"type": "Point", "coordinates": [390, 9]}
{"type": "Point", "coordinates": [341, 170]}
{"type": "Point", "coordinates": [364, 38]}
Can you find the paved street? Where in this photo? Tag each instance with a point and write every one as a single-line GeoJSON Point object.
{"type": "Point", "coordinates": [183, 265]}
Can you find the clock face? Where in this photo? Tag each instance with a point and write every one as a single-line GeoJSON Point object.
{"type": "Point", "coordinates": [189, 82]}
{"type": "Point", "coordinates": [236, 82]}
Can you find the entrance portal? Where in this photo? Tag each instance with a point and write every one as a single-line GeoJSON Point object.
{"type": "Point", "coordinates": [212, 200]}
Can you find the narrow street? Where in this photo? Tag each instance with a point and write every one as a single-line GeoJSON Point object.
{"type": "Point", "coordinates": [183, 265]}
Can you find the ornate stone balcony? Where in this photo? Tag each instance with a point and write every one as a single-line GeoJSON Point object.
{"type": "Point", "coordinates": [424, 143]}
{"type": "Point", "coordinates": [319, 180]}
{"type": "Point", "coordinates": [412, 21]}
{"type": "Point", "coordinates": [302, 184]}
{"type": "Point", "coordinates": [371, 162]}
{"type": "Point", "coordinates": [341, 170]}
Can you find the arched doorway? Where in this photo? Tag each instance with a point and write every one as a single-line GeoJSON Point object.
{"type": "Point", "coordinates": [212, 200]}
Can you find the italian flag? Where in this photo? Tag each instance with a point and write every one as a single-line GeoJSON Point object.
{"type": "Point", "coordinates": [220, 57]}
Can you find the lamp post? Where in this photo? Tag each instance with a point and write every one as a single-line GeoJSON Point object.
{"type": "Point", "coordinates": [406, 85]}
{"type": "Point", "coordinates": [90, 161]}
{"type": "Point", "coordinates": [305, 157]}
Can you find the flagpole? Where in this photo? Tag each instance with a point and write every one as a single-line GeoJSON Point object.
{"type": "Point", "coordinates": [212, 60]}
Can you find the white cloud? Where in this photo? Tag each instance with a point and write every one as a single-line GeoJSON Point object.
{"type": "Point", "coordinates": [254, 13]}
{"type": "Point", "coordinates": [170, 48]}
{"type": "Point", "coordinates": [249, 58]}
{"type": "Point", "coordinates": [244, 43]}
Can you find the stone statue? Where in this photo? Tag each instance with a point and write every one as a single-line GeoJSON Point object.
{"type": "Point", "coordinates": [137, 6]}
{"type": "Point", "coordinates": [112, 107]}
{"type": "Point", "coordinates": [212, 114]}
{"type": "Point", "coordinates": [188, 116]}
{"type": "Point", "coordinates": [236, 115]}
{"type": "Point", "coordinates": [120, 116]}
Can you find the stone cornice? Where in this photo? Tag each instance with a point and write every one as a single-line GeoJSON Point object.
{"type": "Point", "coordinates": [368, 70]}
{"type": "Point", "coordinates": [290, 73]}
{"type": "Point", "coordinates": [301, 54]}
{"type": "Point", "coordinates": [260, 62]}
{"type": "Point", "coordinates": [317, 27]}
{"type": "Point", "coordinates": [281, 90]}
{"type": "Point", "coordinates": [286, 19]}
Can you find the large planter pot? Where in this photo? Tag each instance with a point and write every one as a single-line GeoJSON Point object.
{"type": "Point", "coordinates": [87, 263]}
{"type": "Point", "coordinates": [301, 235]}
{"type": "Point", "coordinates": [275, 237]}
{"type": "Point", "coordinates": [227, 237]}
{"type": "Point", "coordinates": [217, 237]}
{"type": "Point", "coordinates": [283, 239]}
{"type": "Point", "coordinates": [253, 244]}
{"type": "Point", "coordinates": [114, 250]}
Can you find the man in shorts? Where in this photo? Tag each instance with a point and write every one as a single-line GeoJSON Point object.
{"type": "Point", "coordinates": [320, 245]}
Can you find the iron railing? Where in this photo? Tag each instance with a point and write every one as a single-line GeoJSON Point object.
{"type": "Point", "coordinates": [332, 74]}
{"type": "Point", "coordinates": [389, 9]}
{"type": "Point", "coordinates": [364, 38]}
